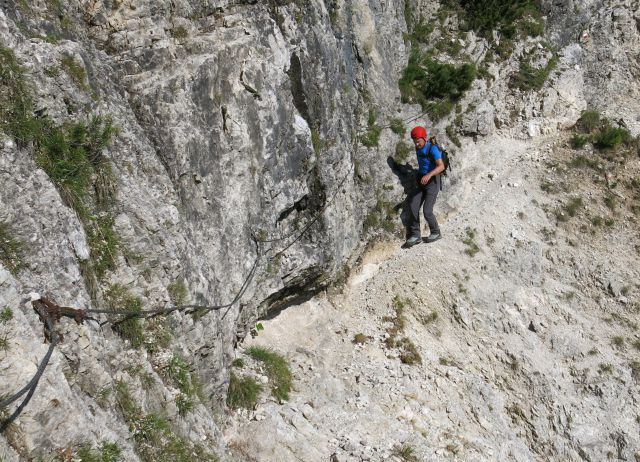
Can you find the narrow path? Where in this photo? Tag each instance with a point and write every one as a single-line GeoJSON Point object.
{"type": "Point", "coordinates": [498, 339]}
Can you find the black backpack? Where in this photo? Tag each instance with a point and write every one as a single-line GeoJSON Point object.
{"type": "Point", "coordinates": [443, 151]}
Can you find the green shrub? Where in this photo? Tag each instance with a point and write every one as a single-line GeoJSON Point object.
{"type": "Point", "coordinates": [12, 250]}
{"type": "Point", "coordinates": [316, 141]}
{"type": "Point", "coordinates": [408, 352]}
{"type": "Point", "coordinates": [243, 392]}
{"type": "Point", "coordinates": [425, 80]}
{"type": "Point", "coordinates": [573, 205]}
{"type": "Point", "coordinates": [422, 31]}
{"type": "Point", "coordinates": [405, 452]}
{"type": "Point", "coordinates": [360, 339]}
{"type": "Point", "coordinates": [485, 16]}
{"type": "Point", "coordinates": [277, 370]}
{"type": "Point", "coordinates": [371, 221]}
{"type": "Point", "coordinates": [610, 201]}
{"type": "Point", "coordinates": [610, 137]}
{"type": "Point", "coordinates": [532, 28]}
{"type": "Point", "coordinates": [530, 78]}
{"type": "Point", "coordinates": [152, 434]}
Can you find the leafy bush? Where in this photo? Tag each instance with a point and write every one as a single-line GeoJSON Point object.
{"type": "Point", "coordinates": [179, 33]}
{"type": "Point", "coordinates": [152, 434]}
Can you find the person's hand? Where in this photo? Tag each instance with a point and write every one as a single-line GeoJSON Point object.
{"type": "Point", "coordinates": [424, 180]}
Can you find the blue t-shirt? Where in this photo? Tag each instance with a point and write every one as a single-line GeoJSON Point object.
{"type": "Point", "coordinates": [425, 165]}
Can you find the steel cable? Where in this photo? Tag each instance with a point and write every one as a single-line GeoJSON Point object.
{"type": "Point", "coordinates": [33, 383]}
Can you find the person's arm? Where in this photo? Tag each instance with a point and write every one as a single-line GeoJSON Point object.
{"type": "Point", "coordinates": [439, 169]}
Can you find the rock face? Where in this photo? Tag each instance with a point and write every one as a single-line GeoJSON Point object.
{"type": "Point", "coordinates": [238, 127]}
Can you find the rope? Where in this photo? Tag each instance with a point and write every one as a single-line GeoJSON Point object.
{"type": "Point", "coordinates": [31, 386]}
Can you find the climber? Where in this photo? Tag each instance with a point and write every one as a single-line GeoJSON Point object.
{"type": "Point", "coordinates": [430, 165]}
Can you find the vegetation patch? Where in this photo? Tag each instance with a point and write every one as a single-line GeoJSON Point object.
{"type": "Point", "coordinates": [71, 155]}
{"type": "Point", "coordinates": [360, 339]}
{"type": "Point", "coordinates": [107, 452]}
{"type": "Point", "coordinates": [371, 137]}
{"type": "Point", "coordinates": [76, 71]}
{"type": "Point", "coordinates": [435, 86]}
{"type": "Point", "coordinates": [409, 353]}
{"type": "Point", "coordinates": [570, 209]}
{"type": "Point", "coordinates": [153, 436]}
{"type": "Point", "coordinates": [177, 292]}
{"type": "Point", "coordinates": [12, 250]}
{"type": "Point", "coordinates": [469, 241]}
{"type": "Point", "coordinates": [398, 127]}
{"type": "Point", "coordinates": [16, 113]}
{"type": "Point", "coordinates": [6, 315]}
{"type": "Point", "coordinates": [382, 215]}
{"type": "Point", "coordinates": [179, 33]}
{"type": "Point", "coordinates": [529, 77]}
{"type": "Point", "coordinates": [130, 327]}
{"type": "Point", "coordinates": [243, 392]}
{"type": "Point", "coordinates": [405, 452]}
{"type": "Point", "coordinates": [504, 16]}
{"type": "Point", "coordinates": [190, 388]}
{"type": "Point", "coordinates": [277, 370]}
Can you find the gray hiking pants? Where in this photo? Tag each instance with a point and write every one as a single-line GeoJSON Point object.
{"type": "Point", "coordinates": [426, 195]}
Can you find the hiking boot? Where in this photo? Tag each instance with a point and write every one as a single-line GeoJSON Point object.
{"type": "Point", "coordinates": [433, 237]}
{"type": "Point", "coordinates": [413, 240]}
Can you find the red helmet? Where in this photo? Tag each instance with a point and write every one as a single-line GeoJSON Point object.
{"type": "Point", "coordinates": [419, 132]}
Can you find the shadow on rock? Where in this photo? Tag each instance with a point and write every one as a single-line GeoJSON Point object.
{"type": "Point", "coordinates": [406, 173]}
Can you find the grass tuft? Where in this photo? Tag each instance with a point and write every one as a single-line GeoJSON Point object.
{"type": "Point", "coordinates": [243, 392]}
{"type": "Point", "coordinates": [276, 368]}
{"type": "Point", "coordinates": [12, 250]}
{"type": "Point", "coordinates": [130, 328]}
